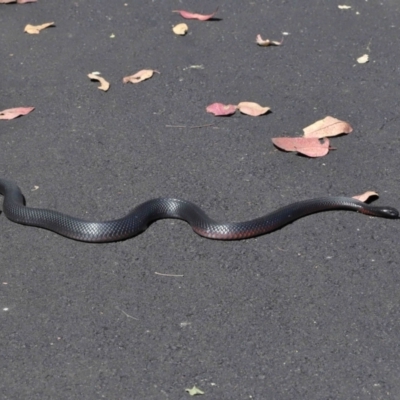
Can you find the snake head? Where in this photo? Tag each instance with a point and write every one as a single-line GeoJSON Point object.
{"type": "Point", "coordinates": [390, 212]}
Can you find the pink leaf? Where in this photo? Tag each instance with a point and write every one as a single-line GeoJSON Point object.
{"type": "Point", "coordinates": [12, 113]}
{"type": "Point", "coordinates": [220, 109]}
{"type": "Point", "coordinates": [200, 17]}
{"type": "Point", "coordinates": [310, 147]}
{"type": "Point", "coordinates": [17, 1]}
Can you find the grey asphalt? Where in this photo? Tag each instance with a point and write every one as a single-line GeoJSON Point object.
{"type": "Point", "coordinates": [308, 312]}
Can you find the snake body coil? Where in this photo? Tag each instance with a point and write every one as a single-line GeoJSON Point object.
{"type": "Point", "coordinates": [144, 214]}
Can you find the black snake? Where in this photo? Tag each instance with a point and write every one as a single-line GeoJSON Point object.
{"type": "Point", "coordinates": [144, 214]}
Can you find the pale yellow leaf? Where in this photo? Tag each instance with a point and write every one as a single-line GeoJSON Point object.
{"type": "Point", "coordinates": [140, 76]}
{"type": "Point", "coordinates": [363, 59]}
{"type": "Point", "coordinates": [365, 196]}
{"type": "Point", "coordinates": [253, 109]}
{"type": "Point", "coordinates": [104, 85]}
{"type": "Point", "coordinates": [35, 29]}
{"type": "Point", "coordinates": [327, 127]}
{"type": "Point", "coordinates": [180, 29]}
{"type": "Point", "coordinates": [266, 42]}
{"type": "Point", "coordinates": [194, 391]}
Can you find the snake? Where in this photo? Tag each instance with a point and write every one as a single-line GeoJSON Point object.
{"type": "Point", "coordinates": [143, 215]}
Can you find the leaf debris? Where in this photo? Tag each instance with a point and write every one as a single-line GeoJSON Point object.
{"type": "Point", "coordinates": [35, 29]}
{"type": "Point", "coordinates": [311, 147]}
{"type": "Point", "coordinates": [12, 113]}
{"type": "Point", "coordinates": [266, 42]}
{"type": "Point", "coordinates": [327, 127]}
{"type": "Point", "coordinates": [180, 29]}
{"type": "Point", "coordinates": [194, 391]}
{"type": "Point", "coordinates": [140, 76]}
{"type": "Point", "coordinates": [17, 1]}
{"type": "Point", "coordinates": [190, 15]}
{"type": "Point", "coordinates": [363, 59]}
{"type": "Point", "coordinates": [104, 85]}
{"type": "Point", "coordinates": [245, 107]}
{"type": "Point", "coordinates": [311, 144]}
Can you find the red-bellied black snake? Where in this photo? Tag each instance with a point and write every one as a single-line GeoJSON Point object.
{"type": "Point", "coordinates": [144, 214]}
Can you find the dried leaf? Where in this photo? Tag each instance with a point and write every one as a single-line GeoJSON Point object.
{"type": "Point", "coordinates": [365, 196]}
{"type": "Point", "coordinates": [180, 29]}
{"type": "Point", "coordinates": [220, 109]}
{"type": "Point", "coordinates": [266, 42]}
{"type": "Point", "coordinates": [327, 127]}
{"type": "Point", "coordinates": [363, 59]}
{"type": "Point", "coordinates": [194, 391]}
{"type": "Point", "coordinates": [35, 29]}
{"type": "Point", "coordinates": [310, 147]}
{"type": "Point", "coordinates": [104, 85]}
{"type": "Point", "coordinates": [200, 17]}
{"type": "Point", "coordinates": [253, 109]}
{"type": "Point", "coordinates": [140, 76]}
{"type": "Point", "coordinates": [12, 113]}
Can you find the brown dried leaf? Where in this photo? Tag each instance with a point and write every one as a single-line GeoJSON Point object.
{"type": "Point", "coordinates": [310, 147]}
{"type": "Point", "coordinates": [104, 85]}
{"type": "Point", "coordinates": [35, 29]}
{"type": "Point", "coordinates": [266, 42]}
{"type": "Point", "coordinates": [180, 29]}
{"type": "Point", "coordinates": [190, 15]}
{"type": "Point", "coordinates": [365, 196]}
{"type": "Point", "coordinates": [12, 113]}
{"type": "Point", "coordinates": [253, 109]}
{"type": "Point", "coordinates": [327, 127]}
{"type": "Point", "coordinates": [220, 109]}
{"type": "Point", "coordinates": [140, 76]}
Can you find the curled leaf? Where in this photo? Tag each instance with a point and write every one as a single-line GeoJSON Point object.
{"type": "Point", "coordinates": [253, 109]}
{"type": "Point", "coordinates": [220, 109]}
{"type": "Point", "coordinates": [365, 196]}
{"type": "Point", "coordinates": [104, 85]}
{"type": "Point", "coordinates": [310, 147]}
{"type": "Point", "coordinates": [266, 42]}
{"type": "Point", "coordinates": [12, 113]}
{"type": "Point", "coordinates": [327, 127]}
{"type": "Point", "coordinates": [140, 76]}
{"type": "Point", "coordinates": [35, 29]}
{"type": "Point", "coordinates": [180, 29]}
{"type": "Point", "coordinates": [190, 15]}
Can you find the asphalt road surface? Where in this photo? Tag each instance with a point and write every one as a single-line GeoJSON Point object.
{"type": "Point", "coordinates": [310, 311]}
